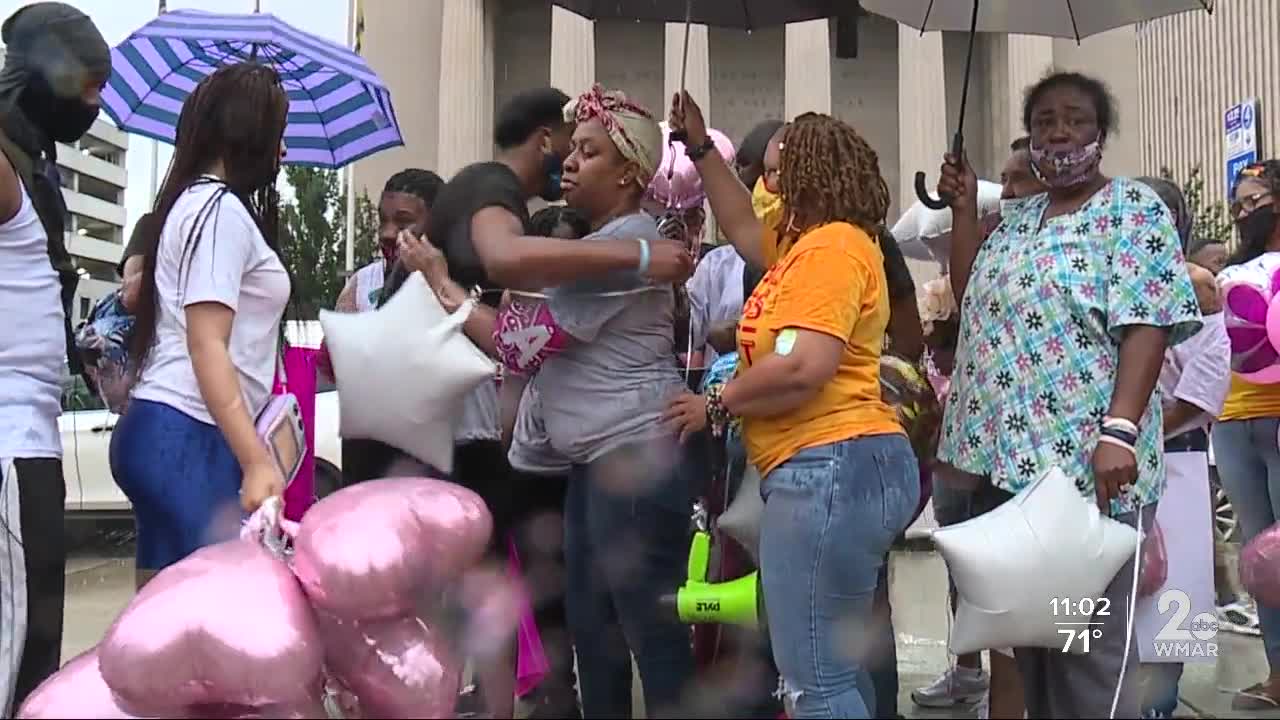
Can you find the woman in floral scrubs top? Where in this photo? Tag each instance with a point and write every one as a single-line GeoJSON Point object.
{"type": "Point", "coordinates": [1066, 311]}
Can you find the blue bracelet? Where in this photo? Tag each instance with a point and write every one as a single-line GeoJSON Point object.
{"type": "Point", "coordinates": [644, 256]}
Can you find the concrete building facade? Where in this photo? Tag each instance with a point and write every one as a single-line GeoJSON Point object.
{"type": "Point", "coordinates": [902, 91]}
{"type": "Point", "coordinates": [93, 182]}
{"type": "Point", "coordinates": [1192, 68]}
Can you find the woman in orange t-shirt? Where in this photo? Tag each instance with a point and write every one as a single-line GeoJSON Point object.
{"type": "Point", "coordinates": [840, 480]}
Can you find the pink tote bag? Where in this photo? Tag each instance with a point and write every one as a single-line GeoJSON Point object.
{"type": "Point", "coordinates": [300, 374]}
{"type": "Point", "coordinates": [532, 664]}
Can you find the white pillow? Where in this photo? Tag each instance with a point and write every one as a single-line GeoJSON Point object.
{"type": "Point", "coordinates": [1010, 564]}
{"type": "Point", "coordinates": [741, 520]}
{"type": "Point", "coordinates": [402, 372]}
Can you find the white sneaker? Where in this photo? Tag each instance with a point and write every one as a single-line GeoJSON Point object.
{"type": "Point", "coordinates": [1239, 616]}
{"type": "Point", "coordinates": [957, 686]}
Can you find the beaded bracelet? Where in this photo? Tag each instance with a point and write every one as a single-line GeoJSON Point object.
{"type": "Point", "coordinates": [1128, 438]}
{"type": "Point", "coordinates": [717, 414]}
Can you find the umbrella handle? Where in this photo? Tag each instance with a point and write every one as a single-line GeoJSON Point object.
{"type": "Point", "coordinates": [922, 189]}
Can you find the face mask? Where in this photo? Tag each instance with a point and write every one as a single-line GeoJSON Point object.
{"type": "Point", "coordinates": [1072, 168]}
{"type": "Point", "coordinates": [390, 253]}
{"type": "Point", "coordinates": [65, 120]}
{"type": "Point", "coordinates": [767, 205]}
{"type": "Point", "coordinates": [552, 167]}
{"type": "Point", "coordinates": [1257, 228]}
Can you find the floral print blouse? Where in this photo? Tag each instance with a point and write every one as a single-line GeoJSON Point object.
{"type": "Point", "coordinates": [1042, 319]}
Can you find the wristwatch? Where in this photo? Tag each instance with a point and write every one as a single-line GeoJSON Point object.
{"type": "Point", "coordinates": [698, 152]}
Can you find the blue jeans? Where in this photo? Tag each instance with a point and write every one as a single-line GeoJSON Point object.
{"type": "Point", "coordinates": [627, 532]}
{"type": "Point", "coordinates": [831, 513]}
{"type": "Point", "coordinates": [1249, 465]}
{"type": "Point", "coordinates": [182, 479]}
{"type": "Point", "coordinates": [1160, 698]}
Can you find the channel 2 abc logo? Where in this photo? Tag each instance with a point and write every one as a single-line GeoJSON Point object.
{"type": "Point", "coordinates": [1176, 641]}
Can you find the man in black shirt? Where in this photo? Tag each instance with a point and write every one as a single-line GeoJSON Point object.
{"type": "Point", "coordinates": [479, 220]}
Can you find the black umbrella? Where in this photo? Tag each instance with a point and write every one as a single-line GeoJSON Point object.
{"type": "Point", "coordinates": [1074, 19]}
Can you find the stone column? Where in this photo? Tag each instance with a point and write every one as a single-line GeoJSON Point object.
{"type": "Point", "coordinates": [573, 51]}
{"type": "Point", "coordinates": [922, 110]}
{"type": "Point", "coordinates": [808, 68]}
{"type": "Point", "coordinates": [697, 79]}
{"type": "Point", "coordinates": [466, 85]}
{"type": "Point", "coordinates": [1029, 58]}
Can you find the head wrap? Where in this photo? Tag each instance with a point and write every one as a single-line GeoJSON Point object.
{"type": "Point", "coordinates": [630, 126]}
{"type": "Point", "coordinates": [1177, 204]}
{"type": "Point", "coordinates": [677, 185]}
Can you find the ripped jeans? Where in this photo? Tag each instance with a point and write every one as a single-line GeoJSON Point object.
{"type": "Point", "coordinates": [831, 513]}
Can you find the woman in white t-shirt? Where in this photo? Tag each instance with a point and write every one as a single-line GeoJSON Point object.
{"type": "Point", "coordinates": [207, 329]}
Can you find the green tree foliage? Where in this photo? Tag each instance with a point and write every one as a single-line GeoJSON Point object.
{"type": "Point", "coordinates": [313, 238]}
{"type": "Point", "coordinates": [1210, 219]}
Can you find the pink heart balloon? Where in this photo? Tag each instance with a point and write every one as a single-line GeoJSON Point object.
{"type": "Point", "coordinates": [228, 625]}
{"type": "Point", "coordinates": [75, 691]}
{"type": "Point", "coordinates": [1246, 338]}
{"type": "Point", "coordinates": [310, 708]}
{"type": "Point", "coordinates": [371, 551]}
{"type": "Point", "coordinates": [1260, 566]}
{"type": "Point", "coordinates": [396, 668]}
{"type": "Point", "coordinates": [1247, 303]}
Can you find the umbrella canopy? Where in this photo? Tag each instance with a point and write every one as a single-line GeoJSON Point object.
{"type": "Point", "coordinates": [743, 14]}
{"type": "Point", "coordinates": [339, 111]}
{"type": "Point", "coordinates": [1056, 18]}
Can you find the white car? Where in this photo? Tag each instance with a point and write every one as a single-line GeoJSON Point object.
{"type": "Point", "coordinates": [86, 428]}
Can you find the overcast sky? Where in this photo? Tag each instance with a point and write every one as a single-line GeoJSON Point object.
{"type": "Point", "coordinates": [118, 18]}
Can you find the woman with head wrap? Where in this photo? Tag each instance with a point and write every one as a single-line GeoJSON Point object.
{"type": "Point", "coordinates": [627, 512]}
{"type": "Point", "coordinates": [55, 65]}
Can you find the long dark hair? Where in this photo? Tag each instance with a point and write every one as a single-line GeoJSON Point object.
{"type": "Point", "coordinates": [237, 116]}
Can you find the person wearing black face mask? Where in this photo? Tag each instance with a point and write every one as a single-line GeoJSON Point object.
{"type": "Point", "coordinates": [55, 65]}
{"type": "Point", "coordinates": [1247, 457]}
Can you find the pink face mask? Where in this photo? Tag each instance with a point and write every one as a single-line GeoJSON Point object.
{"type": "Point", "coordinates": [526, 334]}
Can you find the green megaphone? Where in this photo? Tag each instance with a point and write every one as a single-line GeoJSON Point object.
{"type": "Point", "coordinates": [733, 602]}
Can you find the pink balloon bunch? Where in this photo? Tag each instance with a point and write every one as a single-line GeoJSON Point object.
{"type": "Point", "coordinates": [1260, 566]}
{"type": "Point", "coordinates": [677, 184]}
{"type": "Point", "coordinates": [370, 558]}
{"type": "Point", "coordinates": [1251, 295]}
{"type": "Point", "coordinates": [291, 615]}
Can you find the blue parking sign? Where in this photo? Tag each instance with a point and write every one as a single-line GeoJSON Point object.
{"type": "Point", "coordinates": [1240, 138]}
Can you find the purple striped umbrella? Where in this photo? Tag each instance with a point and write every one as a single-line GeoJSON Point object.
{"type": "Point", "coordinates": [339, 111]}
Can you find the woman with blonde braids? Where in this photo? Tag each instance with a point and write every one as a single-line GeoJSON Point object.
{"type": "Point", "coordinates": [840, 478]}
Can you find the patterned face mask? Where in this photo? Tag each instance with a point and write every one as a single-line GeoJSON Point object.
{"type": "Point", "coordinates": [1069, 168]}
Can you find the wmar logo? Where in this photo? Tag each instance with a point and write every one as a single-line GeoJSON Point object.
{"type": "Point", "coordinates": [1196, 640]}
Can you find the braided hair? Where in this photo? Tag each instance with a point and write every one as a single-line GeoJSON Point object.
{"type": "Point", "coordinates": [415, 181]}
{"type": "Point", "coordinates": [829, 173]}
{"type": "Point", "coordinates": [1267, 173]}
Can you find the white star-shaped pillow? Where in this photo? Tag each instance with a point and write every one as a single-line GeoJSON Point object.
{"type": "Point", "coordinates": [1010, 564]}
{"type": "Point", "coordinates": [403, 370]}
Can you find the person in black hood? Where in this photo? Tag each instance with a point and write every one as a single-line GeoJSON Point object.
{"type": "Point", "coordinates": [55, 66]}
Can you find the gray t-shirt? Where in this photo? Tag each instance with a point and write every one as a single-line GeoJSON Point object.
{"type": "Point", "coordinates": [610, 388]}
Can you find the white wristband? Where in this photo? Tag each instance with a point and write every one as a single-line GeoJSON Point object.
{"type": "Point", "coordinates": [645, 257]}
